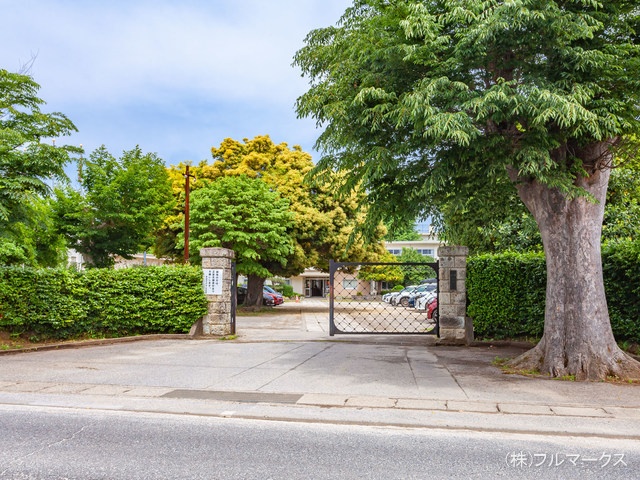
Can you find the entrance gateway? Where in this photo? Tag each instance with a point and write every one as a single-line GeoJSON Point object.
{"type": "Point", "coordinates": [360, 304]}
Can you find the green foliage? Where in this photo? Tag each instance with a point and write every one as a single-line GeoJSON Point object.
{"type": "Point", "coordinates": [31, 238]}
{"type": "Point", "coordinates": [402, 232]}
{"type": "Point", "coordinates": [506, 294]}
{"type": "Point", "coordinates": [322, 223]}
{"type": "Point", "coordinates": [622, 210]}
{"type": "Point", "coordinates": [28, 158]}
{"type": "Point", "coordinates": [66, 304]}
{"type": "Point", "coordinates": [244, 215]}
{"type": "Point", "coordinates": [428, 105]}
{"type": "Point", "coordinates": [142, 300]}
{"type": "Point", "coordinates": [414, 274]}
{"type": "Point", "coordinates": [42, 301]}
{"type": "Point", "coordinates": [26, 162]}
{"type": "Point", "coordinates": [383, 273]}
{"type": "Point", "coordinates": [284, 289]}
{"type": "Point", "coordinates": [621, 266]}
{"type": "Point", "coordinates": [501, 223]}
{"type": "Point", "coordinates": [119, 208]}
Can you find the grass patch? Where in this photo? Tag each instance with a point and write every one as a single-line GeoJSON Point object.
{"type": "Point", "coordinates": [228, 337]}
{"type": "Point", "coordinates": [253, 311]}
{"type": "Point", "coordinates": [503, 364]}
{"type": "Point", "coordinates": [500, 361]}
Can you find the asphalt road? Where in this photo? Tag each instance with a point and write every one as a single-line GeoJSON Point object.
{"type": "Point", "coordinates": [62, 443]}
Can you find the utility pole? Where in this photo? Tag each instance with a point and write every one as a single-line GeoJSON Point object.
{"type": "Point", "coordinates": [186, 214]}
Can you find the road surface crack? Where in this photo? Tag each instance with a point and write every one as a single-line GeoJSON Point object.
{"type": "Point", "coordinates": [21, 460]}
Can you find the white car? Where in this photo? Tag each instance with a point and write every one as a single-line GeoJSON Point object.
{"type": "Point", "coordinates": [423, 301]}
{"type": "Point", "coordinates": [386, 298]}
{"type": "Point", "coordinates": [403, 293]}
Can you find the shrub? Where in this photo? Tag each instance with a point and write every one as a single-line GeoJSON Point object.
{"type": "Point", "coordinates": [100, 302]}
{"type": "Point", "coordinates": [166, 299]}
{"type": "Point", "coordinates": [284, 289]}
{"type": "Point", "coordinates": [42, 301]}
{"type": "Point", "coordinates": [506, 294]}
{"type": "Point", "coordinates": [621, 269]}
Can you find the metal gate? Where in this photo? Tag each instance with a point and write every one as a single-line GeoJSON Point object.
{"type": "Point", "coordinates": [358, 304]}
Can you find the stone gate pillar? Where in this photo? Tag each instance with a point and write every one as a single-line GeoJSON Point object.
{"type": "Point", "coordinates": [217, 281]}
{"type": "Point", "coordinates": [455, 327]}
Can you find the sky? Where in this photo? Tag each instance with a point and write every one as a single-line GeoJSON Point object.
{"type": "Point", "coordinates": [174, 77]}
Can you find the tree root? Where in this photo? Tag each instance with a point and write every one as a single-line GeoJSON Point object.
{"type": "Point", "coordinates": [617, 365]}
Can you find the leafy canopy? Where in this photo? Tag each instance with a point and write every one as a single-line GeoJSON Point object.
{"type": "Point", "coordinates": [31, 239]}
{"type": "Point", "coordinates": [120, 206]}
{"type": "Point", "coordinates": [244, 215]}
{"type": "Point", "coordinates": [28, 159]}
{"type": "Point", "coordinates": [322, 224]}
{"type": "Point", "coordinates": [427, 102]}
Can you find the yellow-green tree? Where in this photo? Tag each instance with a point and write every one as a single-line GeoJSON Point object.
{"type": "Point", "coordinates": [322, 223]}
{"type": "Point", "coordinates": [386, 271]}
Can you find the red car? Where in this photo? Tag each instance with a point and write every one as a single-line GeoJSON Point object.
{"type": "Point", "coordinates": [278, 299]}
{"type": "Point", "coordinates": [432, 309]}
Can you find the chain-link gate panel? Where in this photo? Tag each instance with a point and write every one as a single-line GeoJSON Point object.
{"type": "Point", "coordinates": [383, 298]}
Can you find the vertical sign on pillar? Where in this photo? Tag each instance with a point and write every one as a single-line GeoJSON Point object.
{"type": "Point", "coordinates": [212, 281]}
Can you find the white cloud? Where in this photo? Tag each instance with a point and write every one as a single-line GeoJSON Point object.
{"type": "Point", "coordinates": [161, 72]}
{"type": "Point", "coordinates": [131, 50]}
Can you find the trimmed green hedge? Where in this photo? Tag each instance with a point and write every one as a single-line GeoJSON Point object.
{"type": "Point", "coordinates": [506, 292]}
{"type": "Point", "coordinates": [100, 302]}
{"type": "Point", "coordinates": [621, 269]}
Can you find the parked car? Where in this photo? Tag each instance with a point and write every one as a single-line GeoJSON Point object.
{"type": "Point", "coordinates": [404, 291]}
{"type": "Point", "coordinates": [423, 290]}
{"type": "Point", "coordinates": [422, 302]}
{"type": "Point", "coordinates": [267, 298]}
{"type": "Point", "coordinates": [403, 296]}
{"type": "Point", "coordinates": [432, 309]}
{"type": "Point", "coordinates": [388, 296]}
{"type": "Point", "coordinates": [277, 296]}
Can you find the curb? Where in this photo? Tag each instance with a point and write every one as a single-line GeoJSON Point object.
{"type": "Point", "coordinates": [97, 342]}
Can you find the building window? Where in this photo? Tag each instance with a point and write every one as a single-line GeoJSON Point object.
{"type": "Point", "coordinates": [426, 251]}
{"type": "Point", "coordinates": [349, 283]}
{"type": "Point", "coordinates": [394, 251]}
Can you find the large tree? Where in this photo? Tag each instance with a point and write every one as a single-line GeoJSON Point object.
{"type": "Point", "coordinates": [423, 100]}
{"type": "Point", "coordinates": [30, 162]}
{"type": "Point", "coordinates": [244, 215]}
{"type": "Point", "coordinates": [119, 207]}
{"type": "Point", "coordinates": [322, 223]}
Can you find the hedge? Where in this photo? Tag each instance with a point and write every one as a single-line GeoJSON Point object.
{"type": "Point", "coordinates": [57, 303]}
{"type": "Point", "coordinates": [621, 269]}
{"type": "Point", "coordinates": [506, 292]}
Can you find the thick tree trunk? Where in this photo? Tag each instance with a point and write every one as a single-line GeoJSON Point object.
{"type": "Point", "coordinates": [577, 338]}
{"type": "Point", "coordinates": [254, 291]}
